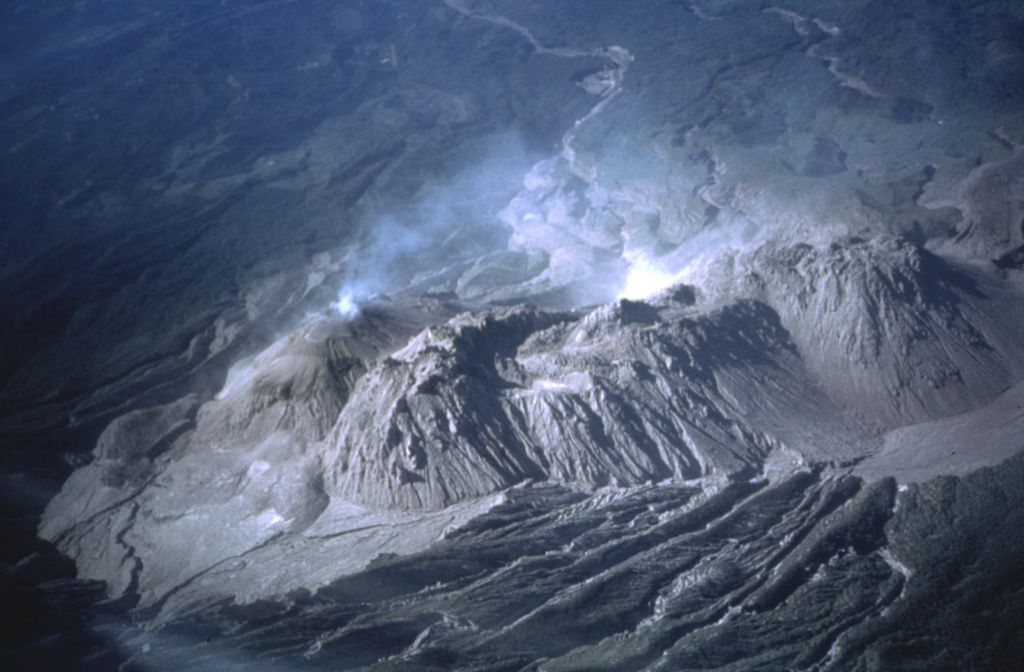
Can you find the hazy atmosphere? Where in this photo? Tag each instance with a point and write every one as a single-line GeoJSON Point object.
{"type": "Point", "coordinates": [504, 335]}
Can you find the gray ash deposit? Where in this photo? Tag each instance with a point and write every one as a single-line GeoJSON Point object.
{"type": "Point", "coordinates": [501, 335]}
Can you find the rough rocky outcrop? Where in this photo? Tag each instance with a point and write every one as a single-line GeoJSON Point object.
{"type": "Point", "coordinates": [809, 352]}
{"type": "Point", "coordinates": [452, 479]}
{"type": "Point", "coordinates": [624, 395]}
{"type": "Point", "coordinates": [176, 490]}
{"type": "Point", "coordinates": [891, 329]}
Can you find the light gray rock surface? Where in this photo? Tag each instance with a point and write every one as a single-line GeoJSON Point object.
{"type": "Point", "coordinates": [814, 353]}
{"type": "Point", "coordinates": [892, 330]}
{"type": "Point", "coordinates": [508, 335]}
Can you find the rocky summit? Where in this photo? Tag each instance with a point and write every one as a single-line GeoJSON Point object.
{"type": "Point", "coordinates": [504, 335]}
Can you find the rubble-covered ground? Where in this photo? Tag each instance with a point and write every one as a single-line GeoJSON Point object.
{"type": "Point", "coordinates": [507, 335]}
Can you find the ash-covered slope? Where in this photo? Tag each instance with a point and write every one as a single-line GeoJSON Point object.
{"type": "Point", "coordinates": [305, 153]}
{"type": "Point", "coordinates": [632, 392]}
{"type": "Point", "coordinates": [884, 329]}
{"type": "Point", "coordinates": [382, 420]}
{"type": "Point", "coordinates": [172, 491]}
{"type": "Point", "coordinates": [890, 329]}
{"type": "Point", "coordinates": [990, 200]}
{"type": "Point", "coordinates": [810, 571]}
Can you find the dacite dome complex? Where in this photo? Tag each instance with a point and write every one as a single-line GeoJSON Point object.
{"type": "Point", "coordinates": [502, 335]}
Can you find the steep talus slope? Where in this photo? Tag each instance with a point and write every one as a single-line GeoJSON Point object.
{"type": "Point", "coordinates": [629, 393]}
{"type": "Point", "coordinates": [781, 355]}
{"type": "Point", "coordinates": [300, 383]}
{"type": "Point", "coordinates": [436, 394]}
{"type": "Point", "coordinates": [778, 463]}
{"type": "Point", "coordinates": [891, 329]}
{"type": "Point", "coordinates": [174, 490]}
